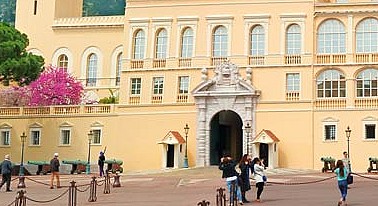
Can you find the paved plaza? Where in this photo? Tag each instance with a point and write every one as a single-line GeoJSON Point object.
{"type": "Point", "coordinates": [187, 187]}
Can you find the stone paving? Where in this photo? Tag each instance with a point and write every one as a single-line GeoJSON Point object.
{"type": "Point", "coordinates": [187, 187]}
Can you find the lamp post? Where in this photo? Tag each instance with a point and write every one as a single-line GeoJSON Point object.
{"type": "Point", "coordinates": [186, 164]}
{"type": "Point", "coordinates": [21, 178]}
{"type": "Point", "coordinates": [347, 133]}
{"type": "Point", "coordinates": [88, 167]}
{"type": "Point", "coordinates": [248, 131]}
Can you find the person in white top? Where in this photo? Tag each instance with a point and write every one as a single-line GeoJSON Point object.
{"type": "Point", "coordinates": [259, 176]}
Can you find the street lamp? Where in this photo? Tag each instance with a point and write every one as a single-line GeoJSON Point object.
{"type": "Point", "coordinates": [248, 131]}
{"type": "Point", "coordinates": [88, 167]}
{"type": "Point", "coordinates": [21, 174]}
{"type": "Point", "coordinates": [347, 133]}
{"type": "Point", "coordinates": [186, 164]}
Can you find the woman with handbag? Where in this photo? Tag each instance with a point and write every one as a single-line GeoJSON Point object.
{"type": "Point", "coordinates": [259, 176]}
{"type": "Point", "coordinates": [245, 167]}
{"type": "Point", "coordinates": [227, 165]}
{"type": "Point", "coordinates": [342, 175]}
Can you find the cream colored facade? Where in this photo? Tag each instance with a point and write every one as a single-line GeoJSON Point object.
{"type": "Point", "coordinates": [291, 67]}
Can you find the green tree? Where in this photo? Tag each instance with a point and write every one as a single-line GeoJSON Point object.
{"type": "Point", "coordinates": [15, 63]}
{"type": "Point", "coordinates": [103, 7]}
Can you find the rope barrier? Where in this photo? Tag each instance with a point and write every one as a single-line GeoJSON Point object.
{"type": "Point", "coordinates": [46, 201]}
{"type": "Point", "coordinates": [363, 176]}
{"type": "Point", "coordinates": [39, 182]}
{"type": "Point", "coordinates": [14, 179]}
{"type": "Point", "coordinates": [301, 183]}
{"type": "Point", "coordinates": [12, 203]}
{"type": "Point", "coordinates": [86, 189]}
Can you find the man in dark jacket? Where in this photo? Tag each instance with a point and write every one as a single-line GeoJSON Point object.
{"type": "Point", "coordinates": [6, 170]}
{"type": "Point", "coordinates": [55, 164]}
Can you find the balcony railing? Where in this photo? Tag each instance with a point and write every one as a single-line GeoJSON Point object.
{"type": "Point", "coordinates": [157, 99]}
{"type": "Point", "coordinates": [256, 60]}
{"type": "Point", "coordinates": [217, 60]}
{"type": "Point", "coordinates": [366, 58]}
{"type": "Point", "coordinates": [134, 100]}
{"type": "Point", "coordinates": [292, 96]}
{"type": "Point", "coordinates": [330, 103]}
{"type": "Point", "coordinates": [185, 62]}
{"type": "Point", "coordinates": [56, 110]}
{"type": "Point", "coordinates": [182, 98]}
{"type": "Point", "coordinates": [330, 58]}
{"type": "Point", "coordinates": [159, 63]}
{"type": "Point", "coordinates": [136, 64]}
{"type": "Point", "coordinates": [293, 59]}
{"type": "Point", "coordinates": [366, 103]}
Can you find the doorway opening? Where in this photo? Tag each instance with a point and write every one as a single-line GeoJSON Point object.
{"type": "Point", "coordinates": [226, 136]}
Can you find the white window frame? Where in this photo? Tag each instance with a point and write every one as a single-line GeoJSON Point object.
{"type": "Point", "coordinates": [32, 130]}
{"type": "Point", "coordinates": [101, 135]}
{"type": "Point", "coordinates": [158, 24]}
{"type": "Point", "coordinates": [369, 121]}
{"type": "Point", "coordinates": [137, 24]}
{"type": "Point", "coordinates": [158, 84]}
{"type": "Point", "coordinates": [182, 23]}
{"type": "Point", "coordinates": [360, 32]}
{"type": "Point", "coordinates": [288, 20]}
{"type": "Point", "coordinates": [179, 84]}
{"type": "Point", "coordinates": [131, 86]}
{"type": "Point", "coordinates": [66, 52]}
{"type": "Point", "coordinates": [299, 82]}
{"type": "Point", "coordinates": [2, 139]}
{"type": "Point", "coordinates": [251, 20]}
{"type": "Point", "coordinates": [327, 122]}
{"type": "Point", "coordinates": [61, 136]}
{"type": "Point", "coordinates": [216, 21]}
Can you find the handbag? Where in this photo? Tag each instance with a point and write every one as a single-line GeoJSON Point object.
{"type": "Point", "coordinates": [266, 179]}
{"type": "Point", "coordinates": [350, 179]}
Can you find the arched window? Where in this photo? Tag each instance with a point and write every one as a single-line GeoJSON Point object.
{"type": "Point", "coordinates": [63, 61]}
{"type": "Point", "coordinates": [293, 39]}
{"type": "Point", "coordinates": [119, 68]}
{"type": "Point", "coordinates": [330, 83]}
{"type": "Point", "coordinates": [161, 44]}
{"type": "Point", "coordinates": [139, 43]}
{"type": "Point", "coordinates": [257, 41]}
{"type": "Point", "coordinates": [220, 42]}
{"type": "Point", "coordinates": [367, 83]}
{"type": "Point", "coordinates": [331, 37]}
{"type": "Point", "coordinates": [367, 36]}
{"type": "Point", "coordinates": [92, 70]}
{"type": "Point", "coordinates": [187, 43]}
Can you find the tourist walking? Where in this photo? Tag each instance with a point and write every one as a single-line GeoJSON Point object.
{"type": "Point", "coordinates": [260, 177]}
{"type": "Point", "coordinates": [342, 174]}
{"type": "Point", "coordinates": [101, 162]}
{"type": "Point", "coordinates": [6, 171]}
{"type": "Point", "coordinates": [227, 166]}
{"type": "Point", "coordinates": [245, 167]}
{"type": "Point", "coordinates": [54, 165]}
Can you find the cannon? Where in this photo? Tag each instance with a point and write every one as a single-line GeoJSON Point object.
{"type": "Point", "coordinates": [43, 166]}
{"type": "Point", "coordinates": [114, 165]}
{"type": "Point", "coordinates": [372, 161]}
{"type": "Point", "coordinates": [78, 166]}
{"type": "Point", "coordinates": [329, 164]}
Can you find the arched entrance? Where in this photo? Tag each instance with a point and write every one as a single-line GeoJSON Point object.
{"type": "Point", "coordinates": [224, 103]}
{"type": "Point", "coordinates": [226, 136]}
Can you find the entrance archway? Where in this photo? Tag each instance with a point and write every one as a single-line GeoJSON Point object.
{"type": "Point", "coordinates": [226, 136]}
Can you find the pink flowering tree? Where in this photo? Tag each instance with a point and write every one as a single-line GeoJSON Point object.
{"type": "Point", "coordinates": [14, 96]}
{"type": "Point", "coordinates": [55, 86]}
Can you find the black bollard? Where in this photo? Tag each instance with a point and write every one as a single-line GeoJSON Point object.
{"type": "Point", "coordinates": [21, 182]}
{"type": "Point", "coordinates": [107, 184]}
{"type": "Point", "coordinates": [203, 203]}
{"type": "Point", "coordinates": [72, 195]}
{"type": "Point", "coordinates": [93, 190]}
{"type": "Point", "coordinates": [21, 198]}
{"type": "Point", "coordinates": [221, 197]}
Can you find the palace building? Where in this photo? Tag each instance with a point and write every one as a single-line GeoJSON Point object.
{"type": "Point", "coordinates": [277, 79]}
